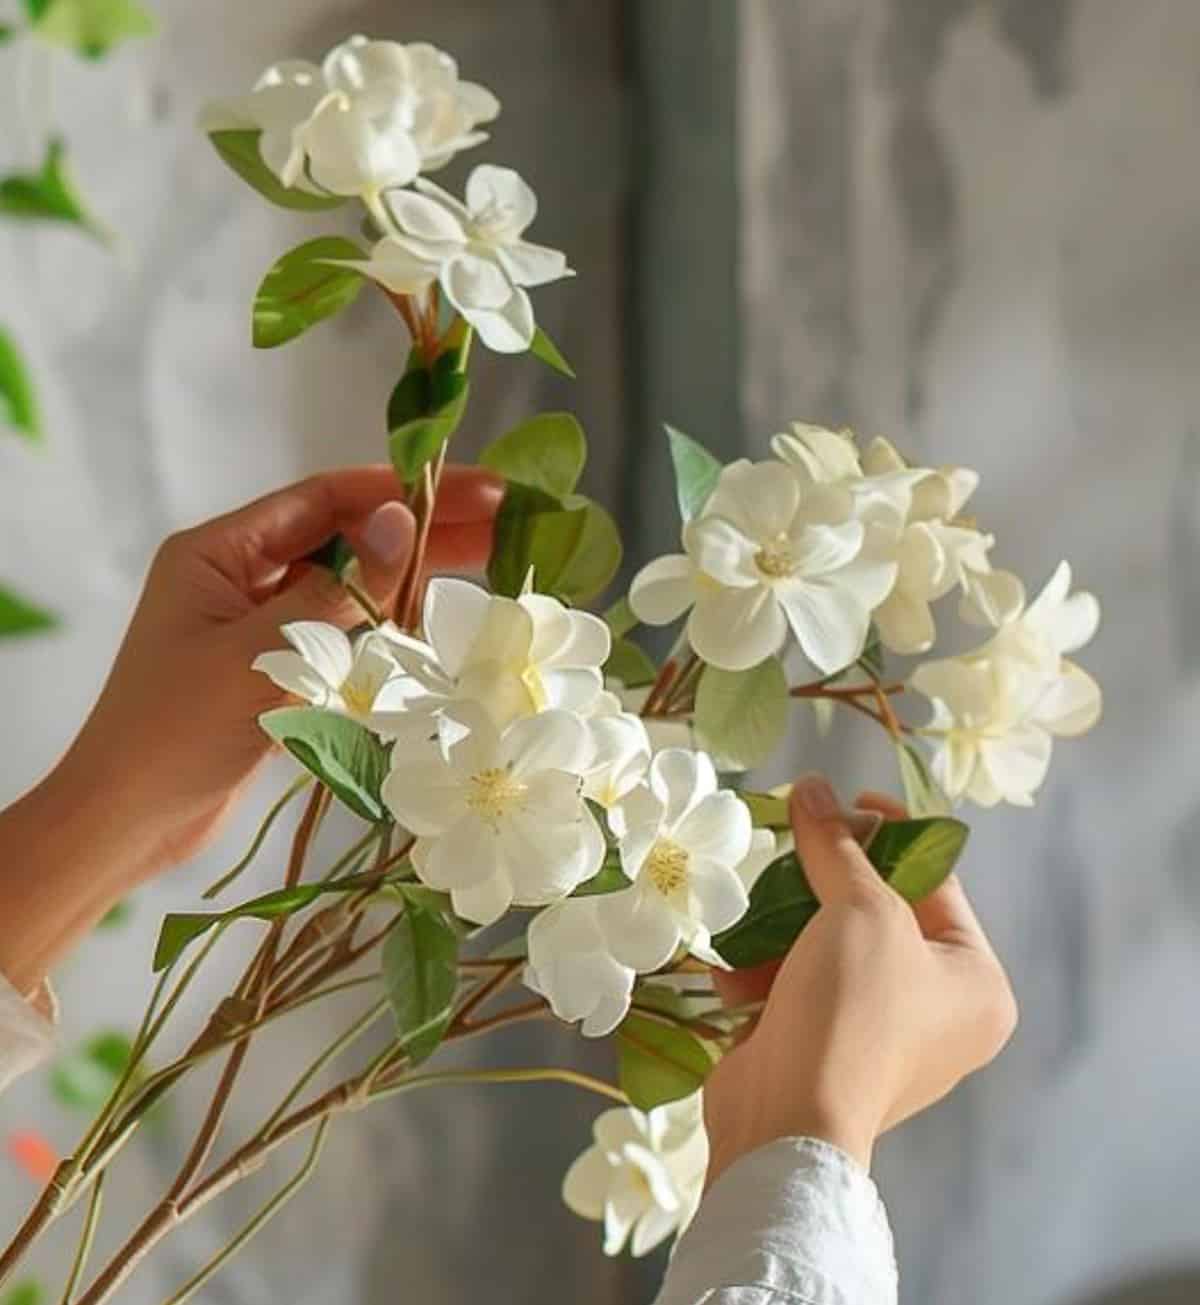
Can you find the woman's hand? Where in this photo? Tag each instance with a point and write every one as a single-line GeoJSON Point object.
{"type": "Point", "coordinates": [879, 1009]}
{"type": "Point", "coordinates": [173, 739]}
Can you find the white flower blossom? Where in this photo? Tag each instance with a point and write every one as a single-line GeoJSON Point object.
{"type": "Point", "coordinates": [770, 552]}
{"type": "Point", "coordinates": [475, 250]}
{"type": "Point", "coordinates": [374, 115]}
{"type": "Point", "coordinates": [513, 656]}
{"type": "Point", "coordinates": [571, 965]}
{"type": "Point", "coordinates": [361, 679]}
{"type": "Point", "coordinates": [644, 1174]}
{"type": "Point", "coordinates": [680, 841]}
{"type": "Point", "coordinates": [996, 711]}
{"type": "Point", "coordinates": [620, 755]}
{"type": "Point", "coordinates": [825, 457]}
{"type": "Point", "coordinates": [500, 818]}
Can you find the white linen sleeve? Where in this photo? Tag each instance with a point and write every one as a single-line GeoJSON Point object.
{"type": "Point", "coordinates": [797, 1222]}
{"type": "Point", "coordinates": [26, 1030]}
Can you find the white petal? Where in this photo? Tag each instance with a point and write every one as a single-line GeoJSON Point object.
{"type": "Point", "coordinates": [640, 928]}
{"type": "Point", "coordinates": [396, 266]}
{"type": "Point", "coordinates": [735, 629]}
{"type": "Point", "coordinates": [485, 902]}
{"type": "Point", "coordinates": [717, 828]}
{"type": "Point", "coordinates": [905, 623]}
{"type": "Point", "coordinates": [424, 794]}
{"type": "Point", "coordinates": [291, 672]}
{"type": "Point", "coordinates": [819, 549]}
{"type": "Point", "coordinates": [454, 614]}
{"type": "Point", "coordinates": [718, 896]}
{"type": "Point", "coordinates": [425, 218]}
{"type": "Point", "coordinates": [585, 1187]}
{"type": "Point", "coordinates": [477, 102]}
{"type": "Point", "coordinates": [1073, 703]}
{"type": "Point", "coordinates": [615, 1129]}
{"type": "Point", "coordinates": [626, 1202]}
{"type": "Point", "coordinates": [532, 265]}
{"type": "Point", "coordinates": [764, 848]}
{"type": "Point", "coordinates": [553, 740]}
{"type": "Point", "coordinates": [1017, 763]}
{"type": "Point", "coordinates": [954, 763]}
{"type": "Point", "coordinates": [475, 284]}
{"type": "Point", "coordinates": [755, 498]}
{"type": "Point", "coordinates": [493, 191]}
{"type": "Point", "coordinates": [652, 1229]}
{"type": "Point", "coordinates": [663, 590]}
{"type": "Point", "coordinates": [723, 551]}
{"type": "Point", "coordinates": [509, 329]}
{"type": "Point", "coordinates": [580, 639]}
{"type": "Point", "coordinates": [574, 690]}
{"type": "Point", "coordinates": [464, 856]}
{"type": "Point", "coordinates": [991, 598]}
{"type": "Point", "coordinates": [326, 649]}
{"type": "Point", "coordinates": [681, 779]}
{"type": "Point", "coordinates": [1075, 622]}
{"type": "Point", "coordinates": [830, 621]}
{"type": "Point", "coordinates": [348, 156]}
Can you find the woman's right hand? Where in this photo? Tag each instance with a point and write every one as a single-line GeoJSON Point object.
{"type": "Point", "coordinates": [879, 1009]}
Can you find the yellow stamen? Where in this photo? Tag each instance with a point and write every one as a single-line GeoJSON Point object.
{"type": "Point", "coordinates": [494, 792]}
{"type": "Point", "coordinates": [667, 866]}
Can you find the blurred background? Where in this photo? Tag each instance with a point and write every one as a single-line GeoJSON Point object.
{"type": "Point", "coordinates": [968, 224]}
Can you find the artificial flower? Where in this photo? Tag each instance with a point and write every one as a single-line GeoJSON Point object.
{"type": "Point", "coordinates": [373, 115]}
{"type": "Point", "coordinates": [770, 552]}
{"type": "Point", "coordinates": [476, 250]}
{"type": "Point", "coordinates": [644, 1174]}
{"type": "Point", "coordinates": [500, 818]}
{"type": "Point", "coordinates": [570, 964]}
{"type": "Point", "coordinates": [680, 841]}
{"type": "Point", "coordinates": [824, 456]}
{"type": "Point", "coordinates": [359, 679]}
{"type": "Point", "coordinates": [620, 755]}
{"type": "Point", "coordinates": [514, 656]}
{"type": "Point", "coordinates": [996, 711]}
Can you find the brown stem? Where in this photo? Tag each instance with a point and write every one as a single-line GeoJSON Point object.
{"type": "Point", "coordinates": [48, 1206]}
{"type": "Point", "coordinates": [661, 686]}
{"type": "Point", "coordinates": [487, 989]}
{"type": "Point", "coordinates": [822, 690]}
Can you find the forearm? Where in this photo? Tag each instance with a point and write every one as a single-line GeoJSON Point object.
{"type": "Point", "coordinates": [69, 850]}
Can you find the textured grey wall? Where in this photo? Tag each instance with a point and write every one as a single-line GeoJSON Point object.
{"type": "Point", "coordinates": [973, 226]}
{"type": "Point", "coordinates": [970, 225]}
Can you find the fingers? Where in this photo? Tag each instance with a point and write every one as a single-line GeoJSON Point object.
{"type": "Point", "coordinates": [883, 803]}
{"type": "Point", "coordinates": [384, 546]}
{"type": "Point", "coordinates": [283, 527]}
{"type": "Point", "coordinates": [946, 916]}
{"type": "Point", "coordinates": [826, 843]}
{"type": "Point", "coordinates": [740, 987]}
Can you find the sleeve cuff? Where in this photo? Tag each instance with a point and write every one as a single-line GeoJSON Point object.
{"type": "Point", "coordinates": [26, 1030]}
{"type": "Point", "coordinates": [797, 1218]}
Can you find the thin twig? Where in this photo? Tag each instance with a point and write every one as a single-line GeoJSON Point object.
{"type": "Point", "coordinates": [87, 1236]}
{"type": "Point", "coordinates": [268, 1212]}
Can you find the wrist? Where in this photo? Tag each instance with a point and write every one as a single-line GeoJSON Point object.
{"type": "Point", "coordinates": [69, 851]}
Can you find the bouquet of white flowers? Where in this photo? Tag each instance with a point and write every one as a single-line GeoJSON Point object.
{"type": "Point", "coordinates": [512, 757]}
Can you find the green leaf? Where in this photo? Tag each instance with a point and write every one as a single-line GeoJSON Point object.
{"type": "Point", "coordinates": [544, 348]}
{"type": "Point", "coordinates": [345, 756]}
{"type": "Point", "coordinates": [781, 904]}
{"type": "Point", "coordinates": [629, 664]}
{"type": "Point", "coordinates": [696, 472]}
{"type": "Point", "coordinates": [34, 9]}
{"type": "Point", "coordinates": [18, 401]}
{"type": "Point", "coordinates": [84, 1078]}
{"type": "Point", "coordinates": [239, 149]}
{"type": "Point", "coordinates": [743, 715]}
{"type": "Point", "coordinates": [92, 27]}
{"type": "Point", "coordinates": [620, 618]}
{"type": "Point", "coordinates": [425, 410]}
{"type": "Point", "coordinates": [659, 1062]}
{"type": "Point", "coordinates": [922, 796]}
{"type": "Point", "coordinates": [334, 555]}
{"type": "Point", "coordinates": [20, 617]}
{"type": "Point", "coordinates": [117, 915]}
{"type": "Point", "coordinates": [915, 856]}
{"type": "Point", "coordinates": [26, 1292]}
{"type": "Point", "coordinates": [7, 33]}
{"type": "Point", "coordinates": [766, 810]}
{"type": "Point", "coordinates": [48, 195]}
{"type": "Point", "coordinates": [181, 928]}
{"type": "Point", "coordinates": [547, 452]}
{"type": "Point", "coordinates": [574, 546]}
{"type": "Point", "coordinates": [610, 878]}
{"type": "Point", "coordinates": [304, 288]}
{"type": "Point", "coordinates": [420, 973]}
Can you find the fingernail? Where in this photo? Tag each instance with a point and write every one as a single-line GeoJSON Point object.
{"type": "Point", "coordinates": [388, 533]}
{"type": "Point", "coordinates": [815, 794]}
{"type": "Point", "coordinates": [863, 826]}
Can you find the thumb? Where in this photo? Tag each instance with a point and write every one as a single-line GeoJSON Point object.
{"type": "Point", "coordinates": [827, 842]}
{"type": "Point", "coordinates": [383, 544]}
